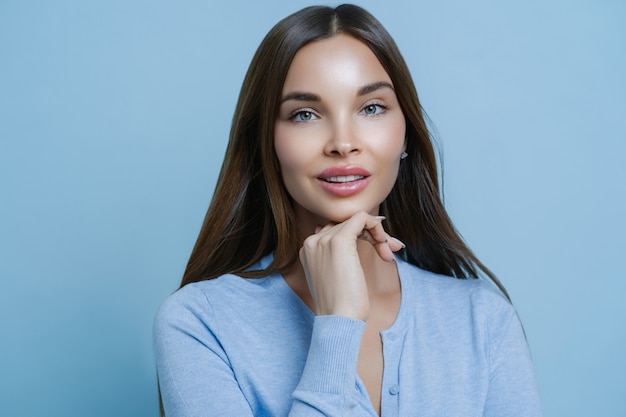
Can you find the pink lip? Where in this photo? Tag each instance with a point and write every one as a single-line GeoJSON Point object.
{"type": "Point", "coordinates": [344, 189]}
{"type": "Point", "coordinates": [343, 171]}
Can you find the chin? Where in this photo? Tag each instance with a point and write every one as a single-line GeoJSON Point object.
{"type": "Point", "coordinates": [342, 215]}
{"type": "Point", "coordinates": [315, 215]}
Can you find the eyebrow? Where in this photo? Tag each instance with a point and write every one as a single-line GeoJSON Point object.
{"type": "Point", "coordinates": [370, 88]}
{"type": "Point", "coordinates": [366, 89]}
{"type": "Point", "coordinates": [299, 96]}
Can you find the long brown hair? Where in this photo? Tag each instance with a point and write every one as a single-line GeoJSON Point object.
{"type": "Point", "coordinates": [251, 213]}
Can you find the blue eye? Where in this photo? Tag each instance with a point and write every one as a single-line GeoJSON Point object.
{"type": "Point", "coordinates": [373, 109]}
{"type": "Point", "coordinates": [304, 116]}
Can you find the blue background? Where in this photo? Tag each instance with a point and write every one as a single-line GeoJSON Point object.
{"type": "Point", "coordinates": [114, 118]}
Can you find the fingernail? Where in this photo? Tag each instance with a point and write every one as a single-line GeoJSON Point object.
{"type": "Point", "coordinates": [399, 242]}
{"type": "Point", "coordinates": [380, 217]}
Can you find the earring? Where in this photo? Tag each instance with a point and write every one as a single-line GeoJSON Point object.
{"type": "Point", "coordinates": [404, 155]}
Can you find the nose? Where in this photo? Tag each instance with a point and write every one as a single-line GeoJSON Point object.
{"type": "Point", "coordinates": [343, 140]}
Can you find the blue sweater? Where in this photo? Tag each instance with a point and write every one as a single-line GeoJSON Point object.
{"type": "Point", "coordinates": [250, 347]}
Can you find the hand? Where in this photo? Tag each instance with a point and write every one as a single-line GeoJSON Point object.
{"type": "Point", "coordinates": [333, 269]}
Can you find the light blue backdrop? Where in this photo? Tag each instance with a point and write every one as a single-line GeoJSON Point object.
{"type": "Point", "coordinates": [113, 122]}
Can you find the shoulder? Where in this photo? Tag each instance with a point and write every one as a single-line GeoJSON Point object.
{"type": "Point", "coordinates": [200, 296]}
{"type": "Point", "coordinates": [454, 298]}
{"type": "Point", "coordinates": [461, 312]}
{"type": "Point", "coordinates": [199, 303]}
{"type": "Point", "coordinates": [420, 279]}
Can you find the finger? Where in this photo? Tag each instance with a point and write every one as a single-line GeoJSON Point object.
{"type": "Point", "coordinates": [384, 251]}
{"type": "Point", "coordinates": [367, 236]}
{"type": "Point", "coordinates": [362, 221]}
{"type": "Point", "coordinates": [378, 232]}
{"type": "Point", "coordinates": [395, 244]}
{"type": "Point", "coordinates": [320, 228]}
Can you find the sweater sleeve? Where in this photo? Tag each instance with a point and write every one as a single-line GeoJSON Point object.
{"type": "Point", "coordinates": [512, 388]}
{"type": "Point", "coordinates": [328, 383]}
{"type": "Point", "coordinates": [196, 377]}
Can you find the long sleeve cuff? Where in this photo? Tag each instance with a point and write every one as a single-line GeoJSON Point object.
{"type": "Point", "coordinates": [333, 354]}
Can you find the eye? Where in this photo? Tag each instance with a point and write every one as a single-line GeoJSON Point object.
{"type": "Point", "coordinates": [302, 116]}
{"type": "Point", "coordinates": [374, 109]}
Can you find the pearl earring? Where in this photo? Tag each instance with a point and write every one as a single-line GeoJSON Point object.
{"type": "Point", "coordinates": [404, 155]}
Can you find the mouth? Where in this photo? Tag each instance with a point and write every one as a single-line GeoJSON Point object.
{"type": "Point", "coordinates": [342, 179]}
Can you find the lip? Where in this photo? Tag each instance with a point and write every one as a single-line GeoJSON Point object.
{"type": "Point", "coordinates": [344, 187]}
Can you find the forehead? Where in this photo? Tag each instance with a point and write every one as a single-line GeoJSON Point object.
{"type": "Point", "coordinates": [339, 61]}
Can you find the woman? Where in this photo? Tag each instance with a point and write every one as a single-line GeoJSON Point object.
{"type": "Point", "coordinates": [329, 171]}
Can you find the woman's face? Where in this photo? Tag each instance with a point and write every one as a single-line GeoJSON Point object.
{"type": "Point", "coordinates": [340, 131]}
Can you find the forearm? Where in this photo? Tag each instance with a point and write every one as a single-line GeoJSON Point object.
{"type": "Point", "coordinates": [327, 385]}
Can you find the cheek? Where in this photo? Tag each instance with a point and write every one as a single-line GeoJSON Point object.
{"type": "Point", "coordinates": [285, 151]}
{"type": "Point", "coordinates": [291, 154]}
{"type": "Point", "coordinates": [389, 138]}
{"type": "Point", "coordinates": [399, 130]}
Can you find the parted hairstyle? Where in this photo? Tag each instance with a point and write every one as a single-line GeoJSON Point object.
{"type": "Point", "coordinates": [251, 213]}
